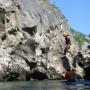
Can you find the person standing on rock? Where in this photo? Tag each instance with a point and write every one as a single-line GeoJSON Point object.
{"type": "Point", "coordinates": [67, 42]}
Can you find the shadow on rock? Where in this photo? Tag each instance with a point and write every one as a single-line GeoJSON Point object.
{"type": "Point", "coordinates": [65, 62]}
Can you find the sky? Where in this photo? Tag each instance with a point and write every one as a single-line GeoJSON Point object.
{"type": "Point", "coordinates": [77, 12]}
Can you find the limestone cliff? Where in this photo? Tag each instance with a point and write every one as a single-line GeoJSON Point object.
{"type": "Point", "coordinates": [83, 60]}
{"type": "Point", "coordinates": [31, 41]}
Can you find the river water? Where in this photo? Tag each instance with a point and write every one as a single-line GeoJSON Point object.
{"type": "Point", "coordinates": [42, 85]}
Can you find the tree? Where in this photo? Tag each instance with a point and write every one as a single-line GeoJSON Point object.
{"type": "Point", "coordinates": [89, 35]}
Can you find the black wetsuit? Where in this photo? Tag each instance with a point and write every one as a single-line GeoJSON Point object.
{"type": "Point", "coordinates": [68, 43]}
{"type": "Point", "coordinates": [67, 40]}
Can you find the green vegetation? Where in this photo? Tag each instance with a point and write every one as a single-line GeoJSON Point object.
{"type": "Point", "coordinates": [54, 8]}
{"type": "Point", "coordinates": [89, 35]}
{"type": "Point", "coordinates": [80, 38]}
{"type": "Point", "coordinates": [45, 0]}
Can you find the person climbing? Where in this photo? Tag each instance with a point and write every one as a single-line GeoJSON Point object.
{"type": "Point", "coordinates": [67, 42]}
{"type": "Point", "coordinates": [69, 75]}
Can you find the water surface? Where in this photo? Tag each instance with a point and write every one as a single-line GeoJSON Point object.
{"type": "Point", "coordinates": [44, 85]}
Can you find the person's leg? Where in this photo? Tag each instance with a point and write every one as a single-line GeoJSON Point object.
{"type": "Point", "coordinates": [65, 50]}
{"type": "Point", "coordinates": [68, 47]}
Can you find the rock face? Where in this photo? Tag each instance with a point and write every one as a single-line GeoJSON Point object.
{"type": "Point", "coordinates": [83, 60]}
{"type": "Point", "coordinates": [31, 41]}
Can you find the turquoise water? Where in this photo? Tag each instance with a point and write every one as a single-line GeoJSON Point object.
{"type": "Point", "coordinates": [43, 85]}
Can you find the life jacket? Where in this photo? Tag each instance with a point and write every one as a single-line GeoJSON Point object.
{"type": "Point", "coordinates": [68, 75]}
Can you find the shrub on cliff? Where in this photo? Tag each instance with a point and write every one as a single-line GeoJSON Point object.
{"type": "Point", "coordinates": [80, 38]}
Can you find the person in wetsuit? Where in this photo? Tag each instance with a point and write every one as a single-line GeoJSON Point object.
{"type": "Point", "coordinates": [69, 75]}
{"type": "Point", "coordinates": [67, 42]}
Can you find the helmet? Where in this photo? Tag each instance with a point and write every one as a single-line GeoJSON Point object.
{"type": "Point", "coordinates": [64, 34]}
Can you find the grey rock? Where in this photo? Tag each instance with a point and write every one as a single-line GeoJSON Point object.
{"type": "Point", "coordinates": [31, 41]}
{"type": "Point", "coordinates": [83, 60]}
